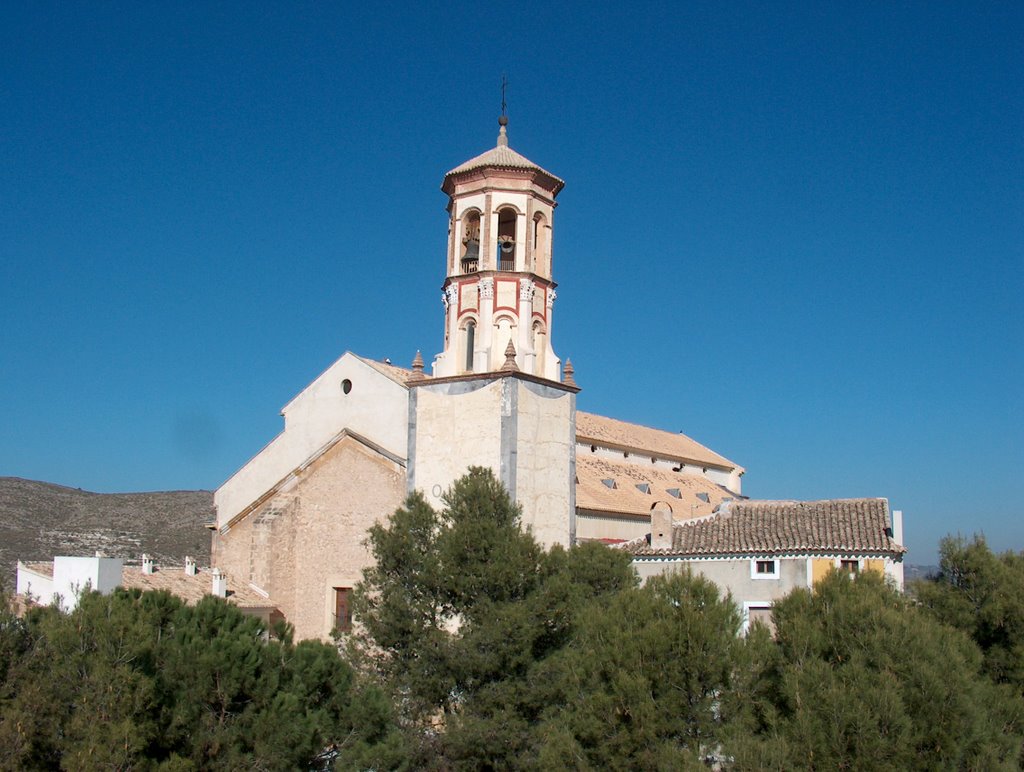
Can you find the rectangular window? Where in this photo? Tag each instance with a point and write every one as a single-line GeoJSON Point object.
{"type": "Point", "coordinates": [342, 609]}
{"type": "Point", "coordinates": [764, 569]}
{"type": "Point", "coordinates": [758, 612]}
{"type": "Point", "coordinates": [850, 566]}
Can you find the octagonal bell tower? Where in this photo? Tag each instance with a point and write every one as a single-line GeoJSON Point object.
{"type": "Point", "coordinates": [499, 286]}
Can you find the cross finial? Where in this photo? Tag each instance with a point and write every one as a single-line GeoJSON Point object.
{"type": "Point", "coordinates": [503, 120]}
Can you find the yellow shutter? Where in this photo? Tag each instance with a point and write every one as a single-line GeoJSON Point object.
{"type": "Point", "coordinates": [820, 567]}
{"type": "Point", "coordinates": [874, 564]}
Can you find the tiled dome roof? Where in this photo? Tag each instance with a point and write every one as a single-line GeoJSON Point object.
{"type": "Point", "coordinates": [503, 157]}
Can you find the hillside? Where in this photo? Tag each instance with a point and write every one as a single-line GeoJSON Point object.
{"type": "Point", "coordinates": [39, 520]}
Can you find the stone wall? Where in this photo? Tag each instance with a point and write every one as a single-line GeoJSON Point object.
{"type": "Point", "coordinates": [545, 441]}
{"type": "Point", "coordinates": [520, 429]}
{"type": "Point", "coordinates": [308, 539]}
{"type": "Point", "coordinates": [456, 425]}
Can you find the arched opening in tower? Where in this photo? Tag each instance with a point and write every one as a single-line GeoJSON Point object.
{"type": "Point", "coordinates": [470, 344]}
{"type": "Point", "coordinates": [470, 260]}
{"type": "Point", "coordinates": [506, 240]}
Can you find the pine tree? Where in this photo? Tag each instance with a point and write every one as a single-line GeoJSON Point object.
{"type": "Point", "coordinates": [982, 594]}
{"type": "Point", "coordinates": [459, 612]}
{"type": "Point", "coordinates": [858, 678]}
{"type": "Point", "coordinates": [641, 686]}
{"type": "Point", "coordinates": [139, 680]}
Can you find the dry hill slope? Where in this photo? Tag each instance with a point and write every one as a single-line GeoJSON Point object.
{"type": "Point", "coordinates": [39, 520]}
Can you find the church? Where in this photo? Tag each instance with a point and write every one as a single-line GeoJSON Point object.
{"type": "Point", "coordinates": [291, 523]}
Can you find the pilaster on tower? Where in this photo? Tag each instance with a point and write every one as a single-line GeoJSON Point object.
{"type": "Point", "coordinates": [499, 287]}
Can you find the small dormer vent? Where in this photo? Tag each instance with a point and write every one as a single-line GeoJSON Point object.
{"type": "Point", "coordinates": [644, 488]}
{"type": "Point", "coordinates": [609, 483]}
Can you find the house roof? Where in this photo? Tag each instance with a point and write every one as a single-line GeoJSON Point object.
{"type": "Point", "coordinates": [690, 490]}
{"type": "Point", "coordinates": [601, 430]}
{"type": "Point", "coordinates": [782, 527]}
{"type": "Point", "coordinates": [398, 374]}
{"type": "Point", "coordinates": [191, 589]}
{"type": "Point", "coordinates": [43, 569]}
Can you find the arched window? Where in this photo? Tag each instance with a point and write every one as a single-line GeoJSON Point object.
{"type": "Point", "coordinates": [540, 346]}
{"type": "Point", "coordinates": [504, 331]}
{"type": "Point", "coordinates": [506, 240]}
{"type": "Point", "coordinates": [470, 344]}
{"type": "Point", "coordinates": [471, 242]}
{"type": "Point", "coordinates": [540, 246]}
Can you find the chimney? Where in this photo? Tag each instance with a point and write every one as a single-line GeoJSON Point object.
{"type": "Point", "coordinates": [190, 566]}
{"type": "Point", "coordinates": [661, 526]}
{"type": "Point", "coordinates": [148, 564]}
{"type": "Point", "coordinates": [220, 583]}
{"type": "Point", "coordinates": [897, 526]}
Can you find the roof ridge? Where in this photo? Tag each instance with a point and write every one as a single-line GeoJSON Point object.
{"type": "Point", "coordinates": [394, 372]}
{"type": "Point", "coordinates": [750, 502]}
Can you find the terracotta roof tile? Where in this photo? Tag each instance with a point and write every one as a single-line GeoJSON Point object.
{"type": "Point", "coordinates": [600, 430]}
{"type": "Point", "coordinates": [190, 589]}
{"type": "Point", "coordinates": [398, 374]}
{"type": "Point", "coordinates": [626, 498]}
{"type": "Point", "coordinates": [503, 157]}
{"type": "Point", "coordinates": [783, 527]}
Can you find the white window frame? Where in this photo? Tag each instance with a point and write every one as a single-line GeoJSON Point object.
{"type": "Point", "coordinates": [860, 563]}
{"type": "Point", "coordinates": [753, 604]}
{"type": "Point", "coordinates": [772, 576]}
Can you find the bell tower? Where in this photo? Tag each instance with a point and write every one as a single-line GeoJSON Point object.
{"type": "Point", "coordinates": [498, 287]}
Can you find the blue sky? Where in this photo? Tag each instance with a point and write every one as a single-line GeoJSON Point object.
{"type": "Point", "coordinates": [792, 231]}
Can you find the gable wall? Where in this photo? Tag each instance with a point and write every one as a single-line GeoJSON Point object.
{"type": "Point", "coordinates": [376, 408]}
{"type": "Point", "coordinates": [309, 538]}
